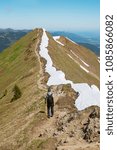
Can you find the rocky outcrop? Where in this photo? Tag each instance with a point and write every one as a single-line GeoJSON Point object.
{"type": "Point", "coordinates": [91, 129]}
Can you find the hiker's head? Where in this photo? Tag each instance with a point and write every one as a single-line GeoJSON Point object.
{"type": "Point", "coordinates": [49, 89]}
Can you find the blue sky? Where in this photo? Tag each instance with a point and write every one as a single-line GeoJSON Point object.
{"type": "Point", "coordinates": [67, 15]}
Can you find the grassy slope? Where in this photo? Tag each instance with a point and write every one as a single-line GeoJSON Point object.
{"type": "Point", "coordinates": [71, 68]}
{"type": "Point", "coordinates": [85, 54]}
{"type": "Point", "coordinates": [19, 65]}
{"type": "Point", "coordinates": [12, 60]}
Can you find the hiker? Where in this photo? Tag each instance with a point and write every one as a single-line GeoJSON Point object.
{"type": "Point", "coordinates": [50, 103]}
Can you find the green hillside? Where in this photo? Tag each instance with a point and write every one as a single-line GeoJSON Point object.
{"type": "Point", "coordinates": [17, 60]}
{"type": "Point", "coordinates": [19, 66]}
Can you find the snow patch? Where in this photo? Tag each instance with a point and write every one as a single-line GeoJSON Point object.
{"type": "Point", "coordinates": [84, 63]}
{"type": "Point", "coordinates": [98, 59]}
{"type": "Point", "coordinates": [56, 38]}
{"type": "Point", "coordinates": [56, 77]}
{"type": "Point", "coordinates": [88, 95]}
{"type": "Point", "coordinates": [78, 63]}
{"type": "Point", "coordinates": [84, 69]}
{"type": "Point", "coordinates": [72, 58]}
{"type": "Point", "coordinates": [80, 59]}
{"type": "Point", "coordinates": [71, 40]}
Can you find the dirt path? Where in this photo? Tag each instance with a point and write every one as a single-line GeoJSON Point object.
{"type": "Point", "coordinates": [41, 71]}
{"type": "Point", "coordinates": [47, 128]}
{"type": "Point", "coordinates": [42, 86]}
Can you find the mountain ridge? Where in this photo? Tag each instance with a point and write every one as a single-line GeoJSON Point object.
{"type": "Point", "coordinates": [14, 35]}
{"type": "Point", "coordinates": [24, 124]}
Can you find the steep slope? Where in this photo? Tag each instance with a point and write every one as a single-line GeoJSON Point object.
{"type": "Point", "coordinates": [23, 123]}
{"type": "Point", "coordinates": [16, 61]}
{"type": "Point", "coordinates": [78, 63]}
{"type": "Point", "coordinates": [19, 65]}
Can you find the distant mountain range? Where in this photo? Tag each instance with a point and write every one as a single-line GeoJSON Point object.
{"type": "Point", "coordinates": [89, 41]}
{"type": "Point", "coordinates": [9, 36]}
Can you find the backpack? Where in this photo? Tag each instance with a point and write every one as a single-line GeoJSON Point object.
{"type": "Point", "coordinates": [50, 99]}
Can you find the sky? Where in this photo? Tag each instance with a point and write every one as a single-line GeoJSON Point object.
{"type": "Point", "coordinates": [65, 15]}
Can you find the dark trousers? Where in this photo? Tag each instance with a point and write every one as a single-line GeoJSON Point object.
{"type": "Point", "coordinates": [50, 110]}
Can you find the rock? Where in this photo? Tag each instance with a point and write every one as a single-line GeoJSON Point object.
{"type": "Point", "coordinates": [70, 119]}
{"type": "Point", "coordinates": [55, 134]}
{"type": "Point", "coordinates": [71, 134]}
{"type": "Point", "coordinates": [40, 135]}
{"type": "Point", "coordinates": [60, 128]}
{"type": "Point", "coordinates": [91, 129]}
{"type": "Point", "coordinates": [65, 141]}
{"type": "Point", "coordinates": [94, 114]}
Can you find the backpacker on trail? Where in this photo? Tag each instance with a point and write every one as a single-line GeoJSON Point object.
{"type": "Point", "coordinates": [50, 103]}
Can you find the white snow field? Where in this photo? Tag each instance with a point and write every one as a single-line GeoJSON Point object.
{"type": "Point", "coordinates": [88, 95]}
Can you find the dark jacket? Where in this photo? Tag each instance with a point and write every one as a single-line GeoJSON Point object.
{"type": "Point", "coordinates": [49, 99]}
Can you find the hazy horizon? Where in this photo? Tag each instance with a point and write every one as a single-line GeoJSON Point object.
{"type": "Point", "coordinates": [54, 30]}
